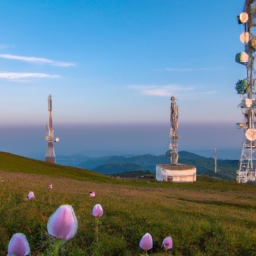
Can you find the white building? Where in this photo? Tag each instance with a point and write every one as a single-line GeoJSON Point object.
{"type": "Point", "coordinates": [175, 173]}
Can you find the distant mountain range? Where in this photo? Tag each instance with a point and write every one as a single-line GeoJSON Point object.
{"type": "Point", "coordinates": [122, 164]}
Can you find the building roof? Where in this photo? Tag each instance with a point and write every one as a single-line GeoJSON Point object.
{"type": "Point", "coordinates": [176, 167]}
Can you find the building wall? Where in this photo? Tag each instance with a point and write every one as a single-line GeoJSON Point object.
{"type": "Point", "coordinates": [163, 174]}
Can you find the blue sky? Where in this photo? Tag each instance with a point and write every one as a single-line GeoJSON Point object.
{"type": "Point", "coordinates": [118, 62]}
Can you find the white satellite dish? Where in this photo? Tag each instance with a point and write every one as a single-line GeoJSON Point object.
{"type": "Point", "coordinates": [244, 37]}
{"type": "Point", "coordinates": [57, 140]}
{"type": "Point", "coordinates": [243, 17]}
{"type": "Point", "coordinates": [250, 134]}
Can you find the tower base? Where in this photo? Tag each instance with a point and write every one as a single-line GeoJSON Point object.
{"type": "Point", "coordinates": [247, 166]}
{"type": "Point", "coordinates": [175, 173]}
{"type": "Point", "coordinates": [50, 154]}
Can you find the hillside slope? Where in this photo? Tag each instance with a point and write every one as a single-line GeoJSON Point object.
{"type": "Point", "coordinates": [210, 217]}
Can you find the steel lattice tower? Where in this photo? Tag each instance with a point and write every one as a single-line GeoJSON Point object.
{"type": "Point", "coordinates": [246, 88]}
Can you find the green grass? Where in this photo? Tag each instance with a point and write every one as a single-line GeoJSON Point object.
{"type": "Point", "coordinates": [209, 217]}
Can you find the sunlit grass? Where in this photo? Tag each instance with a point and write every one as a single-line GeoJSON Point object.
{"type": "Point", "coordinates": [209, 217]}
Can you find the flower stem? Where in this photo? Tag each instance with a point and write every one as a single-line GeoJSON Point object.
{"type": "Point", "coordinates": [96, 230]}
{"type": "Point", "coordinates": [56, 247]}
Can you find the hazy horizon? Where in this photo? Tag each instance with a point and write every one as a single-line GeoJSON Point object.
{"type": "Point", "coordinates": [105, 139]}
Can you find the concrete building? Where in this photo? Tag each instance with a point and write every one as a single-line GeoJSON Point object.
{"type": "Point", "coordinates": [175, 173]}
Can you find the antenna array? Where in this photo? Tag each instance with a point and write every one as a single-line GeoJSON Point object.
{"type": "Point", "coordinates": [245, 87]}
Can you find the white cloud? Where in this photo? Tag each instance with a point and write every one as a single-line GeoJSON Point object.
{"type": "Point", "coordinates": [37, 60]}
{"type": "Point", "coordinates": [187, 69]}
{"type": "Point", "coordinates": [209, 92]}
{"type": "Point", "coordinates": [16, 76]}
{"type": "Point", "coordinates": [160, 91]}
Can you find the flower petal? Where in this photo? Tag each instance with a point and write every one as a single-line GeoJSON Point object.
{"type": "Point", "coordinates": [92, 194]}
{"type": "Point", "coordinates": [167, 243]}
{"type": "Point", "coordinates": [97, 211]}
{"type": "Point", "coordinates": [63, 223]}
{"type": "Point", "coordinates": [30, 195]}
{"type": "Point", "coordinates": [18, 245]}
{"type": "Point", "coordinates": [146, 242]}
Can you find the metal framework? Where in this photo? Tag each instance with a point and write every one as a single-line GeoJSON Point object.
{"type": "Point", "coordinates": [245, 87]}
{"type": "Point", "coordinates": [173, 147]}
{"type": "Point", "coordinates": [50, 154]}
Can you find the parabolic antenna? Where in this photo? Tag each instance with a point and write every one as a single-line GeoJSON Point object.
{"type": "Point", "coordinates": [242, 57]}
{"type": "Point", "coordinates": [250, 134]}
{"type": "Point", "coordinates": [57, 140]}
{"type": "Point", "coordinates": [243, 17]}
{"type": "Point", "coordinates": [244, 37]}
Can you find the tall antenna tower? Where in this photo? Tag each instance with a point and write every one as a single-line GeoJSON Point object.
{"type": "Point", "coordinates": [215, 160]}
{"type": "Point", "coordinates": [50, 154]}
{"type": "Point", "coordinates": [245, 87]}
{"type": "Point", "coordinates": [173, 132]}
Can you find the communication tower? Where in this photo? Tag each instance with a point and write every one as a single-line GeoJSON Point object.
{"type": "Point", "coordinates": [50, 154]}
{"type": "Point", "coordinates": [245, 87]}
{"type": "Point", "coordinates": [215, 160]}
{"type": "Point", "coordinates": [175, 172]}
{"type": "Point", "coordinates": [173, 147]}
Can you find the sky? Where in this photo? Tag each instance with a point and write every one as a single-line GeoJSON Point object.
{"type": "Point", "coordinates": [111, 67]}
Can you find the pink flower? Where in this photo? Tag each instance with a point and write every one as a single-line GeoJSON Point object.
{"type": "Point", "coordinates": [167, 243]}
{"type": "Point", "coordinates": [97, 211]}
{"type": "Point", "coordinates": [18, 245]}
{"type": "Point", "coordinates": [146, 242]}
{"type": "Point", "coordinates": [63, 223]}
{"type": "Point", "coordinates": [50, 186]}
{"type": "Point", "coordinates": [92, 194]}
{"type": "Point", "coordinates": [31, 195]}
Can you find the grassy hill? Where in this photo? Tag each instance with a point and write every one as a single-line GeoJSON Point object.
{"type": "Point", "coordinates": [209, 217]}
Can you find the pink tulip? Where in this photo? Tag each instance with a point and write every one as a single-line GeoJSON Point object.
{"type": "Point", "coordinates": [92, 194]}
{"type": "Point", "coordinates": [146, 242]}
{"type": "Point", "coordinates": [167, 243]}
{"type": "Point", "coordinates": [97, 211]}
{"type": "Point", "coordinates": [50, 186]}
{"type": "Point", "coordinates": [63, 223]}
{"type": "Point", "coordinates": [18, 245]}
{"type": "Point", "coordinates": [30, 195]}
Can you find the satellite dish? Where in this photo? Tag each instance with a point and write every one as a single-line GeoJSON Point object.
{"type": "Point", "coordinates": [242, 57]}
{"type": "Point", "coordinates": [250, 134]}
{"type": "Point", "coordinates": [57, 140]}
{"type": "Point", "coordinates": [243, 17]}
{"type": "Point", "coordinates": [244, 37]}
{"type": "Point", "coordinates": [46, 137]}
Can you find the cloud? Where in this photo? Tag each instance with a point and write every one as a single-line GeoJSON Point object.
{"type": "Point", "coordinates": [37, 60]}
{"type": "Point", "coordinates": [187, 69]}
{"type": "Point", "coordinates": [160, 91]}
{"type": "Point", "coordinates": [15, 76]}
{"type": "Point", "coordinates": [209, 92]}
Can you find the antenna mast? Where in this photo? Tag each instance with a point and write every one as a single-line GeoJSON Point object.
{"type": "Point", "coordinates": [50, 154]}
{"type": "Point", "coordinates": [215, 160]}
{"type": "Point", "coordinates": [245, 87]}
{"type": "Point", "coordinates": [173, 132]}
